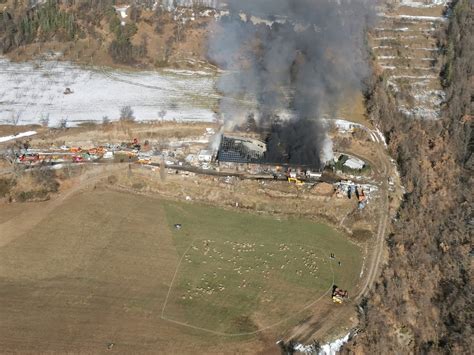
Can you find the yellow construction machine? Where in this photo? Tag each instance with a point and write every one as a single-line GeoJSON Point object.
{"type": "Point", "coordinates": [297, 181]}
{"type": "Point", "coordinates": [338, 295]}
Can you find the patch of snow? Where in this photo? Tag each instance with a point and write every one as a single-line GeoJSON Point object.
{"type": "Point", "coordinates": [425, 49]}
{"type": "Point", "coordinates": [401, 29]}
{"type": "Point", "coordinates": [420, 68]}
{"type": "Point", "coordinates": [414, 77]}
{"type": "Point", "coordinates": [34, 90]}
{"type": "Point", "coordinates": [122, 11]}
{"type": "Point", "coordinates": [391, 67]}
{"type": "Point", "coordinates": [388, 67]}
{"type": "Point", "coordinates": [19, 135]}
{"type": "Point", "coordinates": [418, 4]}
{"type": "Point", "coordinates": [425, 59]}
{"type": "Point", "coordinates": [342, 125]}
{"type": "Point", "coordinates": [381, 136]}
{"type": "Point", "coordinates": [393, 85]}
{"type": "Point", "coordinates": [420, 112]}
{"type": "Point", "coordinates": [57, 166]}
{"type": "Point", "coordinates": [333, 347]}
{"type": "Point", "coordinates": [374, 137]}
{"type": "Point", "coordinates": [417, 18]}
{"type": "Point", "coordinates": [188, 72]}
{"type": "Point", "coordinates": [432, 97]}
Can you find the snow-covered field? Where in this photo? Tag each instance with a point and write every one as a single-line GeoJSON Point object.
{"type": "Point", "coordinates": [16, 136]}
{"type": "Point", "coordinates": [36, 89]}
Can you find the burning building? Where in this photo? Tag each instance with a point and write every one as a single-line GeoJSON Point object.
{"type": "Point", "coordinates": [241, 150]}
{"type": "Point", "coordinates": [302, 57]}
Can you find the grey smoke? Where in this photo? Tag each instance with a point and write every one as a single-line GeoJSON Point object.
{"type": "Point", "coordinates": [296, 56]}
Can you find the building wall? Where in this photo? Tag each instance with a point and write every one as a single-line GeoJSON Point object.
{"type": "Point", "coordinates": [190, 3]}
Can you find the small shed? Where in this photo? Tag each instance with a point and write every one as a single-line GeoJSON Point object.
{"type": "Point", "coordinates": [354, 163]}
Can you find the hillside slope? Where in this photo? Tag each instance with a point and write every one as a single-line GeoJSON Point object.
{"type": "Point", "coordinates": [406, 48]}
{"type": "Point", "coordinates": [422, 302]}
{"type": "Point", "coordinates": [136, 35]}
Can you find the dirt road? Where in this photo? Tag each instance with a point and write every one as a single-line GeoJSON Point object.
{"type": "Point", "coordinates": [323, 320]}
{"type": "Point", "coordinates": [326, 317]}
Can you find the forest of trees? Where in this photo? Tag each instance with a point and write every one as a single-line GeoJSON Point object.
{"type": "Point", "coordinates": [41, 23]}
{"type": "Point", "coordinates": [97, 22]}
{"type": "Point", "coordinates": [53, 20]}
{"type": "Point", "coordinates": [422, 302]}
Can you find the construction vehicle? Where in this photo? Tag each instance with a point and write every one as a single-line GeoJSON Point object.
{"type": "Point", "coordinates": [77, 159]}
{"type": "Point", "coordinates": [29, 158]}
{"type": "Point", "coordinates": [362, 199]}
{"type": "Point", "coordinates": [338, 295]}
{"type": "Point", "coordinates": [297, 181]}
{"type": "Point", "coordinates": [143, 161]}
{"type": "Point", "coordinates": [313, 175]}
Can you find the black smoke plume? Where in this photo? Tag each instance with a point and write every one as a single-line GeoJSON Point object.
{"type": "Point", "coordinates": [297, 59]}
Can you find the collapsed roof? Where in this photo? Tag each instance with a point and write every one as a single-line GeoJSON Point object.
{"type": "Point", "coordinates": [241, 150]}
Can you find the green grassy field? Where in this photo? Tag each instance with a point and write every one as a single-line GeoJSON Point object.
{"type": "Point", "coordinates": [240, 273]}
{"type": "Point", "coordinates": [98, 269]}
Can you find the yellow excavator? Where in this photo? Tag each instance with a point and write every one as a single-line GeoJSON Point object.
{"type": "Point", "coordinates": [298, 182]}
{"type": "Point", "coordinates": [338, 295]}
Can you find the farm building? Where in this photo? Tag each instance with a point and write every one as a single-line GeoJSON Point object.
{"type": "Point", "coordinates": [354, 163]}
{"type": "Point", "coordinates": [241, 150]}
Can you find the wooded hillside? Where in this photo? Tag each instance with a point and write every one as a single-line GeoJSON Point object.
{"type": "Point", "coordinates": [98, 32]}
{"type": "Point", "coordinates": [422, 302]}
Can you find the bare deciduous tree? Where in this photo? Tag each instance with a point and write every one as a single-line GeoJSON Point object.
{"type": "Point", "coordinates": [44, 120]}
{"type": "Point", "coordinates": [14, 118]}
{"type": "Point", "coordinates": [162, 114]}
{"type": "Point", "coordinates": [127, 114]}
{"type": "Point", "coordinates": [63, 123]}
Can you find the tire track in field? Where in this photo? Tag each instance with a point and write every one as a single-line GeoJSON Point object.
{"type": "Point", "coordinates": [321, 322]}
{"type": "Point", "coordinates": [260, 330]}
{"type": "Point", "coordinates": [30, 217]}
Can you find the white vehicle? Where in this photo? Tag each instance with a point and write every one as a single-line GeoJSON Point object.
{"type": "Point", "coordinates": [108, 155]}
{"type": "Point", "coordinates": [313, 175]}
